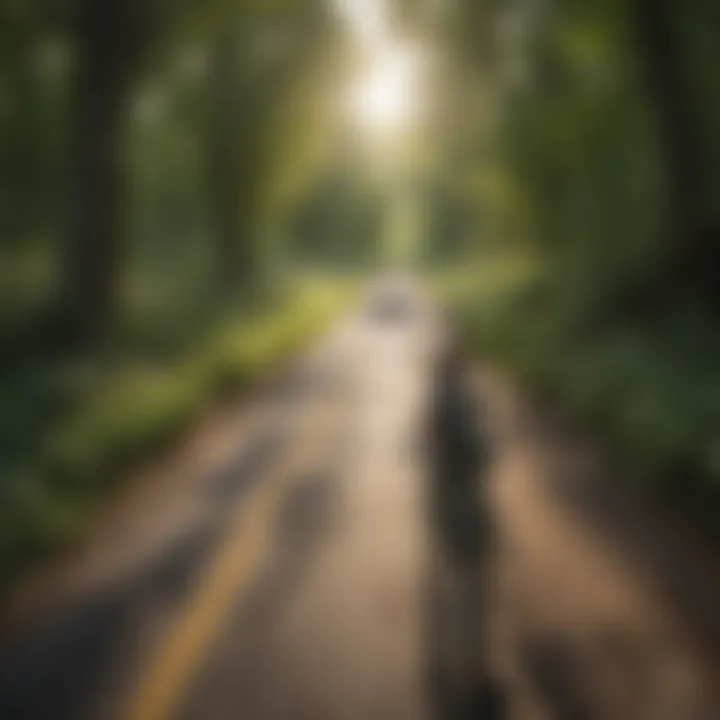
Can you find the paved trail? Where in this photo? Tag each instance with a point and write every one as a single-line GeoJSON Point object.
{"type": "Point", "coordinates": [279, 564]}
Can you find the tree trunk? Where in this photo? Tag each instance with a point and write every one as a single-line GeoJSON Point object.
{"type": "Point", "coordinates": [107, 51]}
{"type": "Point", "coordinates": [229, 168]}
{"type": "Point", "coordinates": [656, 26]}
{"type": "Point", "coordinates": [694, 250]}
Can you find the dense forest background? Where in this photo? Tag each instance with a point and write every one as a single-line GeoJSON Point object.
{"type": "Point", "coordinates": [600, 166]}
{"type": "Point", "coordinates": [181, 205]}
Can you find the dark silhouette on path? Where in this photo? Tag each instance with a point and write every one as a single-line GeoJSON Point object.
{"type": "Point", "coordinates": [460, 537]}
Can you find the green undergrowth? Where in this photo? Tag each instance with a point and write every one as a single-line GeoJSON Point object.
{"type": "Point", "coordinates": [76, 429]}
{"type": "Point", "coordinates": [647, 388]}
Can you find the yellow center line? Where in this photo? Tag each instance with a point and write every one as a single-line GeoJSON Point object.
{"type": "Point", "coordinates": [228, 577]}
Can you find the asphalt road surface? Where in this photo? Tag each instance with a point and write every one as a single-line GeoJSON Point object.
{"type": "Point", "coordinates": [281, 562]}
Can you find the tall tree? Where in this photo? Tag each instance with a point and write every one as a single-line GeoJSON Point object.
{"type": "Point", "coordinates": [228, 166]}
{"type": "Point", "coordinates": [661, 48]}
{"type": "Point", "coordinates": [257, 55]}
{"type": "Point", "coordinates": [694, 247]}
{"type": "Point", "coordinates": [108, 38]}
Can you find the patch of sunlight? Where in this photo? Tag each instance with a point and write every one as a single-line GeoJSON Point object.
{"type": "Point", "coordinates": [386, 97]}
{"type": "Point", "coordinates": [367, 19]}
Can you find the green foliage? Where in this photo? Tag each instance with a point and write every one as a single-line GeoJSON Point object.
{"type": "Point", "coordinates": [649, 391]}
{"type": "Point", "coordinates": [139, 105]}
{"type": "Point", "coordinates": [110, 419]}
{"type": "Point", "coordinates": [576, 169]}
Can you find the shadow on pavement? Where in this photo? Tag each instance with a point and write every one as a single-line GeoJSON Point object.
{"type": "Point", "coordinates": [245, 674]}
{"type": "Point", "coordinates": [561, 677]}
{"type": "Point", "coordinates": [59, 664]}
